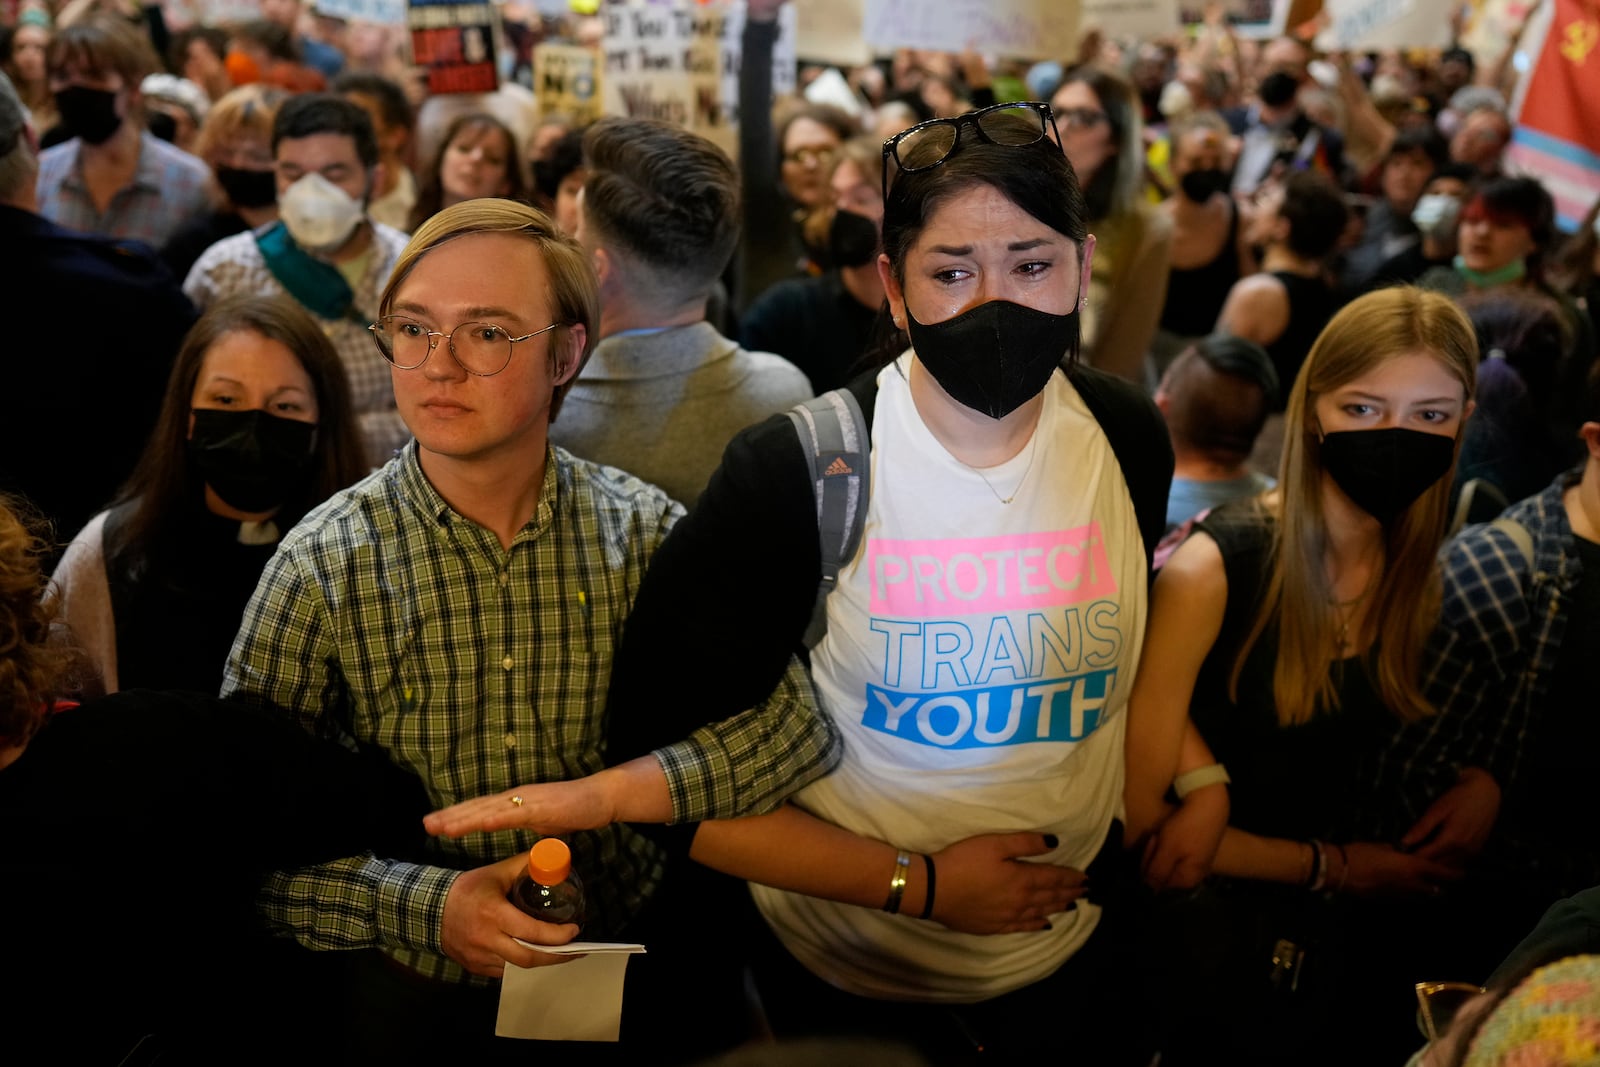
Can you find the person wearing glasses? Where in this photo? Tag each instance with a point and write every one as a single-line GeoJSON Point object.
{"type": "Point", "coordinates": [255, 430]}
{"type": "Point", "coordinates": [951, 884]}
{"type": "Point", "coordinates": [1098, 111]}
{"type": "Point", "coordinates": [324, 250]}
{"type": "Point", "coordinates": [459, 611]}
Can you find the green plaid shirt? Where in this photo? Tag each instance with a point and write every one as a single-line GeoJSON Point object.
{"type": "Point", "coordinates": [388, 618]}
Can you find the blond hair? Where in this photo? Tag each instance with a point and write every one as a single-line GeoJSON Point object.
{"type": "Point", "coordinates": [1404, 605]}
{"type": "Point", "coordinates": [574, 292]}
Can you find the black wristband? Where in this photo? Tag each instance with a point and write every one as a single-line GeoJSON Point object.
{"type": "Point", "coordinates": [927, 901]}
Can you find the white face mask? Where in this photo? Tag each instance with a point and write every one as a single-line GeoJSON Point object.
{"type": "Point", "coordinates": [1436, 214]}
{"type": "Point", "coordinates": [320, 215]}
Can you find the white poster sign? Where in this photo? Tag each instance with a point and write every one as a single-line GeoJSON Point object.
{"type": "Point", "coordinates": [1027, 29]}
{"type": "Point", "coordinates": [1354, 25]}
{"type": "Point", "coordinates": [1140, 19]}
{"type": "Point", "coordinates": [829, 31]}
{"type": "Point", "coordinates": [388, 12]}
{"type": "Point", "coordinates": [679, 61]}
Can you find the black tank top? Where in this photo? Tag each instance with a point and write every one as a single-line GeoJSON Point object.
{"type": "Point", "coordinates": [1195, 295]}
{"type": "Point", "coordinates": [1311, 304]}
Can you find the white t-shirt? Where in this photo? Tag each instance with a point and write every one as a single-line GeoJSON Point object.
{"type": "Point", "coordinates": [978, 660]}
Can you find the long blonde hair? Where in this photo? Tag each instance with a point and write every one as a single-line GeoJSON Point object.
{"type": "Point", "coordinates": [1404, 603]}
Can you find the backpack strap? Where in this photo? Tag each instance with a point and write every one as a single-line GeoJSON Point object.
{"type": "Point", "coordinates": [833, 434]}
{"type": "Point", "coordinates": [1519, 536]}
{"type": "Point", "coordinates": [1140, 441]}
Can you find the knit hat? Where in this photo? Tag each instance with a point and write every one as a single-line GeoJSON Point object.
{"type": "Point", "coordinates": [1552, 1019]}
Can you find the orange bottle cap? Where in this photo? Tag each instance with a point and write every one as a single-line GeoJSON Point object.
{"type": "Point", "coordinates": [549, 861]}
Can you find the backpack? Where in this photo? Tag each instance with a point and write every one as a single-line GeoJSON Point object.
{"type": "Point", "coordinates": [837, 440]}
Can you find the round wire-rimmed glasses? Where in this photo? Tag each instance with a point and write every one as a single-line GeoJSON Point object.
{"type": "Point", "coordinates": [940, 137]}
{"type": "Point", "coordinates": [485, 350]}
{"type": "Point", "coordinates": [1438, 1003]}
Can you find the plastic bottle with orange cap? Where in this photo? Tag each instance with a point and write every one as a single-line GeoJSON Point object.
{"type": "Point", "coordinates": [549, 889]}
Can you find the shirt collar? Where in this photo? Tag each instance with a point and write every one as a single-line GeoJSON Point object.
{"type": "Point", "coordinates": [420, 493]}
{"type": "Point", "coordinates": [659, 354]}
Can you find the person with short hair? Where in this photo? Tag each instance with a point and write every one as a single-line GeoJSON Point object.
{"type": "Point", "coordinates": [1415, 155]}
{"type": "Point", "coordinates": [114, 387]}
{"type": "Point", "coordinates": [113, 177]}
{"type": "Point", "coordinates": [1285, 306]}
{"type": "Point", "coordinates": [1481, 138]}
{"type": "Point", "coordinates": [665, 391]}
{"type": "Point", "coordinates": [393, 122]}
{"type": "Point", "coordinates": [460, 611]}
{"type": "Point", "coordinates": [1215, 398]}
{"type": "Point", "coordinates": [324, 250]}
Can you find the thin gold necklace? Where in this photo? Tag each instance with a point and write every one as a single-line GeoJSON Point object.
{"type": "Point", "coordinates": [1033, 446]}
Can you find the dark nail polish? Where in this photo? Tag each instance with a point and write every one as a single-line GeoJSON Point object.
{"type": "Point", "coordinates": [1051, 840]}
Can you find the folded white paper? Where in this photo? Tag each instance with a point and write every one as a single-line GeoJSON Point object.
{"type": "Point", "coordinates": [576, 1001]}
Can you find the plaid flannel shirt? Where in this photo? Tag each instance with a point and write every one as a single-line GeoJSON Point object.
{"type": "Point", "coordinates": [388, 618]}
{"type": "Point", "coordinates": [1489, 661]}
{"type": "Point", "coordinates": [169, 189]}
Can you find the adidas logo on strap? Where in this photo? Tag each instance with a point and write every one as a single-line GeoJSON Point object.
{"type": "Point", "coordinates": [837, 467]}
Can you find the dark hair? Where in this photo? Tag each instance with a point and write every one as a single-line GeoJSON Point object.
{"type": "Point", "coordinates": [564, 157]}
{"type": "Point", "coordinates": [1219, 391]}
{"type": "Point", "coordinates": [308, 114]}
{"type": "Point", "coordinates": [1113, 188]}
{"type": "Point", "coordinates": [1314, 207]}
{"type": "Point", "coordinates": [666, 196]}
{"type": "Point", "coordinates": [1035, 177]}
{"type": "Point", "coordinates": [215, 38]}
{"type": "Point", "coordinates": [277, 40]}
{"type": "Point", "coordinates": [104, 43]}
{"type": "Point", "coordinates": [430, 188]}
{"type": "Point", "coordinates": [1460, 55]}
{"type": "Point", "coordinates": [1530, 203]}
{"type": "Point", "coordinates": [834, 118]}
{"type": "Point", "coordinates": [392, 101]}
{"type": "Point", "coordinates": [1461, 172]}
{"type": "Point", "coordinates": [1423, 138]}
{"type": "Point", "coordinates": [163, 480]}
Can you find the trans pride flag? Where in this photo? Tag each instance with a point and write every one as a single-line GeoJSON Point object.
{"type": "Point", "coordinates": [1557, 108]}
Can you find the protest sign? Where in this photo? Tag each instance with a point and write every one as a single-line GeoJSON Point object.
{"type": "Point", "coordinates": [566, 81]}
{"type": "Point", "coordinates": [387, 12]}
{"type": "Point", "coordinates": [1491, 25]}
{"type": "Point", "coordinates": [1142, 19]}
{"type": "Point", "coordinates": [679, 61]}
{"type": "Point", "coordinates": [454, 43]}
{"type": "Point", "coordinates": [1251, 19]}
{"type": "Point", "coordinates": [1361, 25]}
{"type": "Point", "coordinates": [1556, 109]}
{"type": "Point", "coordinates": [1027, 29]}
{"type": "Point", "coordinates": [829, 31]}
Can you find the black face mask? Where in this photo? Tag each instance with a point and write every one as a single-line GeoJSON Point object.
{"type": "Point", "coordinates": [1277, 88]}
{"type": "Point", "coordinates": [89, 113]}
{"type": "Point", "coordinates": [1385, 471]}
{"type": "Point", "coordinates": [997, 356]}
{"type": "Point", "coordinates": [250, 459]}
{"type": "Point", "coordinates": [852, 239]}
{"type": "Point", "coordinates": [248, 188]}
{"type": "Point", "coordinates": [1200, 185]}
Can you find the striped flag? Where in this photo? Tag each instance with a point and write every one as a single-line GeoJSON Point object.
{"type": "Point", "coordinates": [1557, 108]}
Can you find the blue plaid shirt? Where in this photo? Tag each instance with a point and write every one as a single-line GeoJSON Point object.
{"type": "Point", "coordinates": [168, 190]}
{"type": "Point", "coordinates": [1489, 661]}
